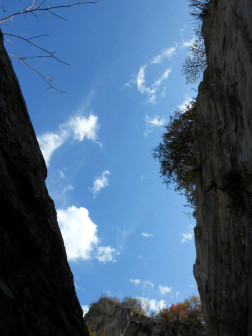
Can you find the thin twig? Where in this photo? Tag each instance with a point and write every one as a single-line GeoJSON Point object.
{"type": "Point", "coordinates": [31, 9]}
{"type": "Point", "coordinates": [47, 79]}
{"type": "Point", "coordinates": [27, 40]}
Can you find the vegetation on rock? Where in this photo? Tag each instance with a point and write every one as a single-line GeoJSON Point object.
{"type": "Point", "coordinates": [181, 319]}
{"type": "Point", "coordinates": [175, 153]}
{"type": "Point", "coordinates": [195, 62]}
{"type": "Point", "coordinates": [189, 313]}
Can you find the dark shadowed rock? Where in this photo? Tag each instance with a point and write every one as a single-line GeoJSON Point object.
{"type": "Point", "coordinates": [223, 234]}
{"type": "Point", "coordinates": [37, 295]}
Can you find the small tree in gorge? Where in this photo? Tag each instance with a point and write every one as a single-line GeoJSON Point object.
{"type": "Point", "coordinates": [175, 154]}
{"type": "Point", "coordinates": [195, 62]}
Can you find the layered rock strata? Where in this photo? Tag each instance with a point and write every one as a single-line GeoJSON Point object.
{"type": "Point", "coordinates": [223, 149]}
{"type": "Point", "coordinates": [37, 293]}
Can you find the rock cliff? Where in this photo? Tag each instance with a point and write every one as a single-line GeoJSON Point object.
{"type": "Point", "coordinates": [223, 148]}
{"type": "Point", "coordinates": [109, 318]}
{"type": "Point", "coordinates": [36, 285]}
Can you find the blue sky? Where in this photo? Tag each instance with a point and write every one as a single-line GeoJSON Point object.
{"type": "Point", "coordinates": [125, 233]}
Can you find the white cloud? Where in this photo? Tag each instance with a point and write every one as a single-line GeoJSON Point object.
{"type": "Point", "coordinates": [140, 79]}
{"type": "Point", "coordinates": [153, 122]}
{"type": "Point", "coordinates": [143, 283]}
{"type": "Point", "coordinates": [106, 254]}
{"type": "Point", "coordinates": [162, 78]}
{"type": "Point", "coordinates": [150, 91]}
{"type": "Point", "coordinates": [85, 309]}
{"type": "Point", "coordinates": [187, 102]}
{"type": "Point", "coordinates": [78, 231]}
{"type": "Point", "coordinates": [152, 305]}
{"type": "Point", "coordinates": [166, 53]}
{"type": "Point", "coordinates": [186, 236]}
{"type": "Point", "coordinates": [80, 236]}
{"type": "Point", "coordinates": [84, 127]}
{"type": "Point", "coordinates": [147, 235]}
{"type": "Point", "coordinates": [135, 281]}
{"type": "Point", "coordinates": [49, 142]}
{"type": "Point", "coordinates": [78, 127]}
{"type": "Point", "coordinates": [147, 283]}
{"type": "Point", "coordinates": [68, 188]}
{"type": "Point", "coordinates": [61, 174]}
{"type": "Point", "coordinates": [100, 182]}
{"type": "Point", "coordinates": [186, 44]}
{"type": "Point", "coordinates": [164, 289]}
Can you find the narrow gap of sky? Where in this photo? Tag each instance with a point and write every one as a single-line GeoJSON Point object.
{"type": "Point", "coordinates": [125, 233]}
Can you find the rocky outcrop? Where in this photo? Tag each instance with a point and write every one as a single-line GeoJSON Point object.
{"type": "Point", "coordinates": [223, 233]}
{"type": "Point", "coordinates": [110, 318]}
{"type": "Point", "coordinates": [37, 293]}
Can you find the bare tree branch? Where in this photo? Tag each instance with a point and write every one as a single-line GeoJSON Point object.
{"type": "Point", "coordinates": [47, 79]}
{"type": "Point", "coordinates": [36, 8]}
{"type": "Point", "coordinates": [28, 40]}
{"type": "Point", "coordinates": [49, 9]}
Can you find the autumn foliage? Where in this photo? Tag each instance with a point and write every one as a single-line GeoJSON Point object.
{"type": "Point", "coordinates": [188, 313]}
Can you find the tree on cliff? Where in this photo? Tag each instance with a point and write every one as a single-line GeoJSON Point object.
{"type": "Point", "coordinates": [37, 9]}
{"type": "Point", "coordinates": [175, 153]}
{"type": "Point", "coordinates": [188, 313]}
{"type": "Point", "coordinates": [195, 62]}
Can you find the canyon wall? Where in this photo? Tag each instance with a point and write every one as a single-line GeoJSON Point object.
{"type": "Point", "coordinates": [37, 293]}
{"type": "Point", "coordinates": [223, 148]}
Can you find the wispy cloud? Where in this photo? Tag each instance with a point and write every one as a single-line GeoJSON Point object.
{"type": "Point", "coordinates": [81, 237]}
{"type": "Point", "coordinates": [147, 235]}
{"type": "Point", "coordinates": [143, 283]}
{"type": "Point", "coordinates": [187, 102]}
{"type": "Point", "coordinates": [165, 54]}
{"type": "Point", "coordinates": [147, 283]}
{"type": "Point", "coordinates": [150, 91]}
{"type": "Point", "coordinates": [135, 281]}
{"type": "Point", "coordinates": [155, 122]}
{"type": "Point", "coordinates": [61, 174]}
{"type": "Point", "coordinates": [187, 44]}
{"type": "Point", "coordinates": [77, 127]}
{"type": "Point", "coordinates": [49, 142]}
{"type": "Point", "coordinates": [187, 236]}
{"type": "Point", "coordinates": [100, 182]}
{"type": "Point", "coordinates": [152, 123]}
{"type": "Point", "coordinates": [106, 254]}
{"type": "Point", "coordinates": [164, 290]}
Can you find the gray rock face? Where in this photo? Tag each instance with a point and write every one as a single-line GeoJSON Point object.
{"type": "Point", "coordinates": [223, 234]}
{"type": "Point", "coordinates": [37, 294]}
{"type": "Point", "coordinates": [109, 318]}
